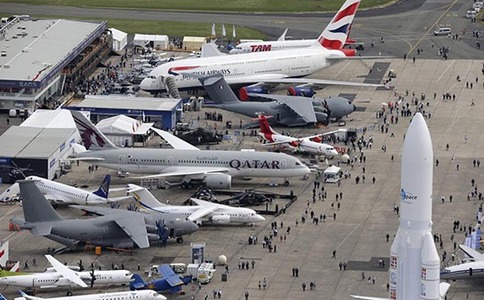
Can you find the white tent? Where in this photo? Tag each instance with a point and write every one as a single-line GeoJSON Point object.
{"type": "Point", "coordinates": [46, 118]}
{"type": "Point", "coordinates": [193, 42]}
{"type": "Point", "coordinates": [120, 39]}
{"type": "Point", "coordinates": [151, 41]}
{"type": "Point", "coordinates": [121, 130]}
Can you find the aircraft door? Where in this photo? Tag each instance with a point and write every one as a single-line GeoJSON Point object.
{"type": "Point", "coordinates": [283, 164]}
{"type": "Point", "coordinates": [122, 159]}
{"type": "Point", "coordinates": [169, 161]}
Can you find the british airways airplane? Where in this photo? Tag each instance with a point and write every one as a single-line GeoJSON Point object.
{"type": "Point", "coordinates": [262, 70]}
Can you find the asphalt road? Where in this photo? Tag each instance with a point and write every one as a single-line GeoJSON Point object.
{"type": "Point", "coordinates": [404, 26]}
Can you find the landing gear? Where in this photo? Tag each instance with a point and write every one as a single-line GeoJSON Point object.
{"type": "Point", "coordinates": [179, 240]}
{"type": "Point", "coordinates": [286, 182]}
{"type": "Point", "coordinates": [69, 293]}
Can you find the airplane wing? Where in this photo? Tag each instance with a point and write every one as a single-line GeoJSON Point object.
{"type": "Point", "coordinates": [368, 298]}
{"type": "Point", "coordinates": [131, 223]}
{"type": "Point", "coordinates": [282, 79]}
{"type": "Point", "coordinates": [85, 158]}
{"type": "Point", "coordinates": [135, 227]}
{"type": "Point", "coordinates": [121, 198]}
{"type": "Point", "coordinates": [186, 171]}
{"type": "Point", "coordinates": [472, 253]}
{"type": "Point", "coordinates": [171, 278]}
{"type": "Point", "coordinates": [65, 271]}
{"type": "Point", "coordinates": [320, 83]}
{"type": "Point", "coordinates": [304, 109]}
{"type": "Point", "coordinates": [100, 211]}
{"type": "Point", "coordinates": [175, 142]}
{"type": "Point", "coordinates": [202, 212]}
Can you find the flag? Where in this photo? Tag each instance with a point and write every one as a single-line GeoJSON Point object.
{"type": "Point", "coordinates": [223, 30]}
{"type": "Point", "coordinates": [213, 30]}
{"type": "Point", "coordinates": [234, 35]}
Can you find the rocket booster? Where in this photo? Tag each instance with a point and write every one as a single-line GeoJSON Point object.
{"type": "Point", "coordinates": [414, 261]}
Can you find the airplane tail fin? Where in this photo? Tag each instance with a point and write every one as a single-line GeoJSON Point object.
{"type": "Point", "coordinates": [218, 89]}
{"type": "Point", "coordinates": [35, 205]}
{"type": "Point", "coordinates": [265, 128]}
{"type": "Point", "coordinates": [283, 36]}
{"type": "Point", "coordinates": [103, 190]}
{"type": "Point", "coordinates": [334, 36]}
{"type": "Point", "coordinates": [92, 138]}
{"type": "Point", "coordinates": [136, 283]}
{"type": "Point", "coordinates": [144, 197]}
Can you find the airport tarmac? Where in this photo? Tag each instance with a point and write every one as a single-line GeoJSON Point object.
{"type": "Point", "coordinates": [366, 216]}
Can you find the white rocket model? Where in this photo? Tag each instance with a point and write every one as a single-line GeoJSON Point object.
{"type": "Point", "coordinates": [414, 261]}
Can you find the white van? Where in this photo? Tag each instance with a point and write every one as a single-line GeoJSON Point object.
{"type": "Point", "coordinates": [205, 272]}
{"type": "Point", "coordinates": [471, 14]}
{"type": "Point", "coordinates": [443, 31]}
{"type": "Point", "coordinates": [477, 5]}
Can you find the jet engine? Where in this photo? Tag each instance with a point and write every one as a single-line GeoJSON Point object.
{"type": "Point", "coordinates": [153, 237]}
{"type": "Point", "coordinates": [301, 90]}
{"type": "Point", "coordinates": [218, 181]}
{"type": "Point", "coordinates": [349, 52]}
{"type": "Point", "coordinates": [220, 219]}
{"type": "Point", "coordinates": [322, 118]}
{"type": "Point", "coordinates": [255, 88]}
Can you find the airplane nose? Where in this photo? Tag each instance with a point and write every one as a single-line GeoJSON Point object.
{"type": "Point", "coordinates": [145, 83]}
{"type": "Point", "coordinates": [259, 218]}
{"type": "Point", "coordinates": [354, 107]}
{"type": "Point", "coordinates": [334, 153]}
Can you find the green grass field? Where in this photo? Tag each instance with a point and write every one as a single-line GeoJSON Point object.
{"type": "Point", "coordinates": [212, 5]}
{"type": "Point", "coordinates": [178, 29]}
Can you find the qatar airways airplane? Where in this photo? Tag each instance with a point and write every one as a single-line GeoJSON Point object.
{"type": "Point", "coordinates": [257, 70]}
{"type": "Point", "coordinates": [214, 167]}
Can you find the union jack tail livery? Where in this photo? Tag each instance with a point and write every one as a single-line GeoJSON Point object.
{"type": "Point", "coordinates": [336, 33]}
{"type": "Point", "coordinates": [92, 138]}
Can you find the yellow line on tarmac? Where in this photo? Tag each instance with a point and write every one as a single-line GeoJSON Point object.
{"type": "Point", "coordinates": [432, 27]}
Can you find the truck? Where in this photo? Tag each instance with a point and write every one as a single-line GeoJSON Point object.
{"type": "Point", "coordinates": [202, 272]}
{"type": "Point", "coordinates": [205, 272]}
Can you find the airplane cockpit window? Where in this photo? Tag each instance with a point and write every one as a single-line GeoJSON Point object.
{"type": "Point", "coordinates": [152, 77]}
{"type": "Point", "coordinates": [298, 163]}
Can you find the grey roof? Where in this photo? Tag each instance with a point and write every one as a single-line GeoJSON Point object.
{"type": "Point", "coordinates": [29, 142]}
{"type": "Point", "coordinates": [129, 102]}
{"type": "Point", "coordinates": [36, 47]}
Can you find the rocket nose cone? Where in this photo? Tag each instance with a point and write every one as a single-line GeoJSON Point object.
{"type": "Point", "coordinates": [417, 138]}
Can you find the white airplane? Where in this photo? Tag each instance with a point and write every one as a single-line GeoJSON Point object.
{"type": "Point", "coordinates": [59, 193]}
{"type": "Point", "coordinates": [283, 44]}
{"type": "Point", "coordinates": [261, 70]}
{"type": "Point", "coordinates": [65, 277]}
{"type": "Point", "coordinates": [311, 144]}
{"type": "Point", "coordinates": [129, 295]}
{"type": "Point", "coordinates": [214, 167]}
{"type": "Point", "coordinates": [473, 269]}
{"type": "Point", "coordinates": [203, 211]}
